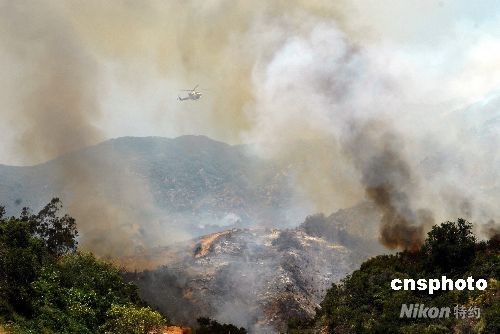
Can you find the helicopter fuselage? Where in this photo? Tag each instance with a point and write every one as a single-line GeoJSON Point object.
{"type": "Point", "coordinates": [191, 96]}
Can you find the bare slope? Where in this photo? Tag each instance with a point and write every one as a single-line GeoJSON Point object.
{"type": "Point", "coordinates": [256, 278]}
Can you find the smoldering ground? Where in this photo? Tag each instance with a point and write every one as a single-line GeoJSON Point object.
{"type": "Point", "coordinates": [258, 279]}
{"type": "Point", "coordinates": [301, 81]}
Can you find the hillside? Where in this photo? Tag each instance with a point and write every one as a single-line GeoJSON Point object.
{"type": "Point", "coordinates": [255, 278]}
{"type": "Point", "coordinates": [195, 183]}
{"type": "Point", "coordinates": [238, 268]}
{"type": "Point", "coordinates": [364, 302]}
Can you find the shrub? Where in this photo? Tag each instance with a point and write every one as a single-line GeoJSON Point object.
{"type": "Point", "coordinates": [131, 319]}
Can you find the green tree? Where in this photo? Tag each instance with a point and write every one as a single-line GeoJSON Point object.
{"type": "Point", "coordinates": [79, 289]}
{"type": "Point", "coordinates": [449, 248]}
{"type": "Point", "coordinates": [131, 319]}
{"type": "Point", "coordinates": [58, 231]}
{"type": "Point", "coordinates": [47, 286]}
{"type": "Point", "coordinates": [364, 302]}
{"type": "Point", "coordinates": [27, 244]}
{"type": "Point", "coordinates": [21, 260]}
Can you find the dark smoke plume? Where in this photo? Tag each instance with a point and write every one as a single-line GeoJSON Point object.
{"type": "Point", "coordinates": [389, 183]}
{"type": "Point", "coordinates": [56, 114]}
{"type": "Point", "coordinates": [492, 230]}
{"type": "Point", "coordinates": [56, 82]}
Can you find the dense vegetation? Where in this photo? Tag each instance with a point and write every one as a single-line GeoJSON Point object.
{"type": "Point", "coordinates": [209, 326]}
{"type": "Point", "coordinates": [47, 286]}
{"type": "Point", "coordinates": [365, 303]}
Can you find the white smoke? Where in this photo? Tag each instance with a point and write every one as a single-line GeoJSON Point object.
{"type": "Point", "coordinates": [293, 77]}
{"type": "Point", "coordinates": [319, 85]}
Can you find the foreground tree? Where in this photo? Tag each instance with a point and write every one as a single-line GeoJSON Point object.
{"type": "Point", "coordinates": [47, 286]}
{"type": "Point", "coordinates": [364, 302]}
{"type": "Point", "coordinates": [58, 231]}
{"type": "Point", "coordinates": [131, 319]}
{"type": "Point", "coordinates": [449, 248]}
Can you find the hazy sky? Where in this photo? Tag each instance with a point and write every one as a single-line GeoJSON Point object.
{"type": "Point", "coordinates": [392, 101]}
{"type": "Point", "coordinates": [121, 64]}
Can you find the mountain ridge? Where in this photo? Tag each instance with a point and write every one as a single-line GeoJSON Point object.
{"type": "Point", "coordinates": [194, 180]}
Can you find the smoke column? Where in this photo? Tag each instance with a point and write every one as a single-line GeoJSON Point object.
{"type": "Point", "coordinates": [492, 230]}
{"type": "Point", "coordinates": [301, 81]}
{"type": "Point", "coordinates": [56, 81]}
{"type": "Point", "coordinates": [57, 110]}
{"type": "Point", "coordinates": [389, 183]}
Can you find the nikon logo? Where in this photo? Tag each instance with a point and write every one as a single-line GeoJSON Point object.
{"type": "Point", "coordinates": [420, 311]}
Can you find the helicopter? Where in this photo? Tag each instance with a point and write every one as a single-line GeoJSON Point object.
{"type": "Point", "coordinates": [193, 94]}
